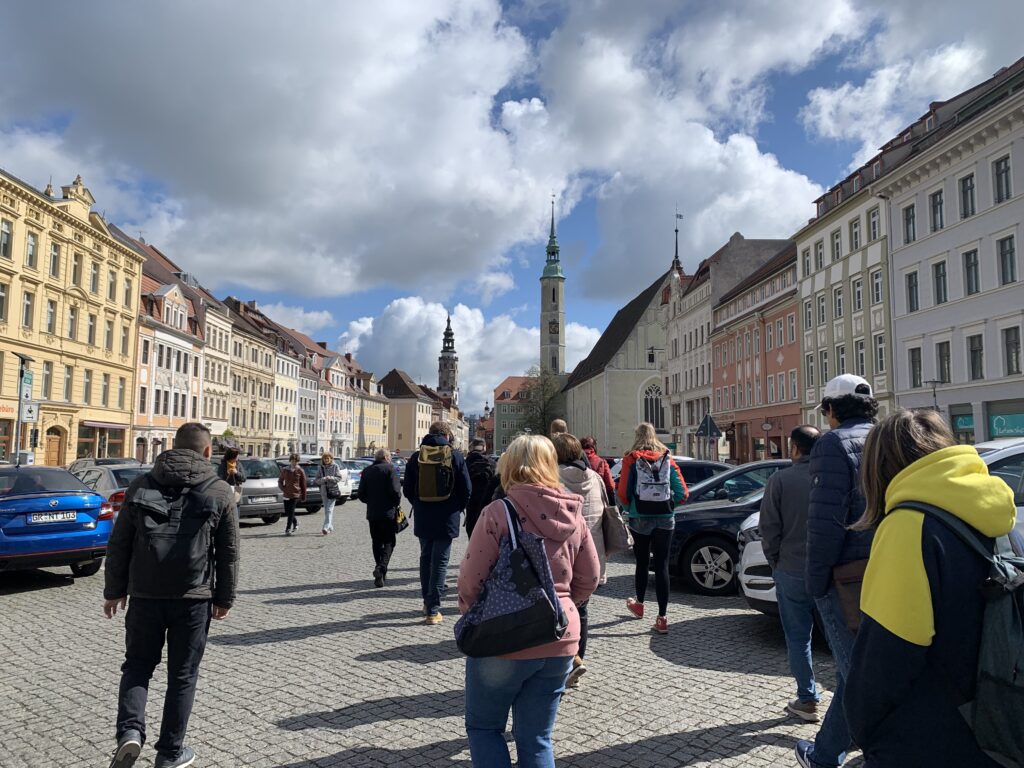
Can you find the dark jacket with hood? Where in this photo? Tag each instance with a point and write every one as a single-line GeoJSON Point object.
{"type": "Point", "coordinates": [481, 473]}
{"type": "Point", "coordinates": [915, 659]}
{"type": "Point", "coordinates": [836, 503]}
{"type": "Point", "coordinates": [173, 471]}
{"type": "Point", "coordinates": [437, 519]}
{"type": "Point", "coordinates": [380, 491]}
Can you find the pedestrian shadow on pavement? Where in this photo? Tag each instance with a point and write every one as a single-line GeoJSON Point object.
{"type": "Point", "coordinates": [437, 705]}
{"type": "Point", "coordinates": [416, 654]}
{"type": "Point", "coordinates": [367, 591]}
{"type": "Point", "coordinates": [286, 634]}
{"type": "Point", "coordinates": [360, 584]}
{"type": "Point", "coordinates": [16, 582]}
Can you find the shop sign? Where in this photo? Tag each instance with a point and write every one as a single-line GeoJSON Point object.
{"type": "Point", "coordinates": [963, 423]}
{"type": "Point", "coordinates": [1010, 425]}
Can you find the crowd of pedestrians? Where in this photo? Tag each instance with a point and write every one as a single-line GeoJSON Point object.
{"type": "Point", "coordinates": [881, 531]}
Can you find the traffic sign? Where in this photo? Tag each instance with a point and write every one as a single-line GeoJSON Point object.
{"type": "Point", "coordinates": [29, 412]}
{"type": "Point", "coordinates": [26, 386]}
{"type": "Point", "coordinates": [708, 428]}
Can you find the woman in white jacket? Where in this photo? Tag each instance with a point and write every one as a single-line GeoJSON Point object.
{"type": "Point", "coordinates": [577, 477]}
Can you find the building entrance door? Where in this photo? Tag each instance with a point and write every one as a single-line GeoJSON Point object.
{"type": "Point", "coordinates": [54, 447]}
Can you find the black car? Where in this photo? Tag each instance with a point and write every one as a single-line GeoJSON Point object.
{"type": "Point", "coordinates": [736, 481]}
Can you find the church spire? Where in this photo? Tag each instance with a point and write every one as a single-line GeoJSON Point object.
{"type": "Point", "coordinates": [676, 264]}
{"type": "Point", "coordinates": [448, 366]}
{"type": "Point", "coordinates": [553, 268]}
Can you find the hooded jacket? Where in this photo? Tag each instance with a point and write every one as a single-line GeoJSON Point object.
{"type": "Point", "coordinates": [437, 519]}
{"type": "Point", "coordinates": [380, 491]}
{"type": "Point", "coordinates": [557, 515]}
{"type": "Point", "coordinates": [600, 466]}
{"type": "Point", "coordinates": [626, 482]}
{"type": "Point", "coordinates": [915, 658]}
{"type": "Point", "coordinates": [481, 470]}
{"type": "Point", "coordinates": [173, 471]}
{"type": "Point", "coordinates": [580, 479]}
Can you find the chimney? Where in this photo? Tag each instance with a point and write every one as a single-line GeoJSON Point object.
{"type": "Point", "coordinates": [348, 356]}
{"type": "Point", "coordinates": [251, 304]}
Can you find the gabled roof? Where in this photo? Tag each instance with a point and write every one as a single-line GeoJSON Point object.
{"type": "Point", "coordinates": [615, 334]}
{"type": "Point", "coordinates": [513, 385]}
{"type": "Point", "coordinates": [778, 262]}
{"type": "Point", "coordinates": [398, 385]}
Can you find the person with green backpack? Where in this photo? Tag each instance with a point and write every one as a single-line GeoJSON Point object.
{"type": "Point", "coordinates": [937, 670]}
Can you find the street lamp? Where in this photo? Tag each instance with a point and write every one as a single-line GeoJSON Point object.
{"type": "Point", "coordinates": [933, 383]}
{"type": "Point", "coordinates": [22, 366]}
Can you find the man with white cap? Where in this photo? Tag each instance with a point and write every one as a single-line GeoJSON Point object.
{"type": "Point", "coordinates": [836, 556]}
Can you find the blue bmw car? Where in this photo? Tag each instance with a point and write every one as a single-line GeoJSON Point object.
{"type": "Point", "coordinates": [48, 517]}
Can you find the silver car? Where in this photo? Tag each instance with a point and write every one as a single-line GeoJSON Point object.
{"type": "Point", "coordinates": [111, 480]}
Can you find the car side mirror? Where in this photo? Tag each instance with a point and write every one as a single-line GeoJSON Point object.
{"type": "Point", "coordinates": [721, 494]}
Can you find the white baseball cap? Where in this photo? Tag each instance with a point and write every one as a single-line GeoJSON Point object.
{"type": "Point", "coordinates": [846, 384]}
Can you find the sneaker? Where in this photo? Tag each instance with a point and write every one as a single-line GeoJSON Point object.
{"type": "Point", "coordinates": [184, 758]}
{"type": "Point", "coordinates": [577, 671]}
{"type": "Point", "coordinates": [804, 750]}
{"type": "Point", "coordinates": [287, 531]}
{"type": "Point", "coordinates": [635, 607]}
{"type": "Point", "coordinates": [434, 618]}
{"type": "Point", "coordinates": [660, 625]}
{"type": "Point", "coordinates": [378, 577]}
{"type": "Point", "coordinates": [323, 532]}
{"type": "Point", "coordinates": [805, 710]}
{"type": "Point", "coordinates": [128, 748]}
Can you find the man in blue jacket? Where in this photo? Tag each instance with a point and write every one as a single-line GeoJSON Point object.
{"type": "Point", "coordinates": [437, 485]}
{"type": "Point", "coordinates": [836, 502]}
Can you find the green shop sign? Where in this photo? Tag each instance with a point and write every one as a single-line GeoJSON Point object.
{"type": "Point", "coordinates": [1010, 425]}
{"type": "Point", "coordinates": [963, 423]}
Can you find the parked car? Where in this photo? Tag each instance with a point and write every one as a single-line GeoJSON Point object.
{"type": "Point", "coordinates": [314, 498]}
{"type": "Point", "coordinates": [355, 469]}
{"type": "Point", "coordinates": [1005, 459]}
{"type": "Point", "coordinates": [110, 460]}
{"type": "Point", "coordinates": [48, 517]}
{"type": "Point", "coordinates": [260, 495]}
{"type": "Point", "coordinates": [704, 555]}
{"type": "Point", "coordinates": [736, 482]}
{"type": "Point", "coordinates": [111, 480]}
{"type": "Point", "coordinates": [694, 470]}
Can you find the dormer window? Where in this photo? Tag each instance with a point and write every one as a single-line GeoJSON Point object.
{"type": "Point", "coordinates": [929, 123]}
{"type": "Point", "coordinates": [856, 183]}
{"type": "Point", "coordinates": [876, 169]}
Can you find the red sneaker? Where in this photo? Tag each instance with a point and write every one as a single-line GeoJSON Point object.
{"type": "Point", "coordinates": [661, 625]}
{"type": "Point", "coordinates": [635, 607]}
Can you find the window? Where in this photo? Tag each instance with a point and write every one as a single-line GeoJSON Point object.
{"type": "Point", "coordinates": [876, 287]}
{"type": "Point", "coordinates": [858, 295]}
{"type": "Point", "coordinates": [125, 336]}
{"type": "Point", "coordinates": [837, 302]}
{"type": "Point", "coordinates": [909, 226]}
{"type": "Point", "coordinates": [874, 224]}
{"type": "Point", "coordinates": [819, 254]}
{"type": "Point", "coordinates": [840, 359]}
{"type": "Point", "coordinates": [3, 302]}
{"type": "Point", "coordinates": [76, 269]}
{"type": "Point", "coordinates": [108, 336]}
{"type": "Point", "coordinates": [914, 362]}
{"type": "Point", "coordinates": [5, 238]}
{"type": "Point", "coordinates": [145, 351]}
{"type": "Point", "coordinates": [858, 357]}
{"type": "Point", "coordinates": [769, 337]}
{"type": "Point", "coordinates": [967, 206]}
{"type": "Point", "coordinates": [69, 383]}
{"type": "Point", "coordinates": [120, 392]}
{"type": "Point", "coordinates": [855, 234]}
{"type": "Point", "coordinates": [822, 310]}
{"type": "Point", "coordinates": [54, 260]}
{"type": "Point", "coordinates": [935, 210]}
{"type": "Point", "coordinates": [837, 245]}
{"type": "Point", "coordinates": [87, 387]}
{"type": "Point", "coordinates": [792, 385]}
{"type": "Point", "coordinates": [976, 356]}
{"type": "Point", "coordinates": [805, 259]}
{"type": "Point", "coordinates": [142, 399]}
{"type": "Point", "coordinates": [31, 250]}
{"type": "Point", "coordinates": [778, 332]}
{"type": "Point", "coordinates": [127, 292]}
{"type": "Point", "coordinates": [880, 353]}
{"type": "Point", "coordinates": [939, 283]}
{"type": "Point", "coordinates": [105, 390]}
{"type": "Point", "coordinates": [653, 412]}
{"type": "Point", "coordinates": [771, 389]}
{"type": "Point", "coordinates": [972, 278]}
{"type": "Point", "coordinates": [94, 278]}
{"type": "Point", "coordinates": [72, 323]}
{"type": "Point", "coordinates": [823, 364]}
{"type": "Point", "coordinates": [808, 315]}
{"type": "Point", "coordinates": [1007, 261]}
{"type": "Point", "coordinates": [28, 302]}
{"type": "Point", "coordinates": [47, 380]}
{"type": "Point", "coordinates": [809, 369]}
{"type": "Point", "coordinates": [51, 316]}
{"type": "Point", "coordinates": [943, 361]}
{"type": "Point", "coordinates": [876, 169]}
{"type": "Point", "coordinates": [913, 303]}
{"type": "Point", "coordinates": [1001, 179]}
{"type": "Point", "coordinates": [111, 285]}
{"type": "Point", "coordinates": [91, 331]}
{"type": "Point", "coordinates": [1011, 350]}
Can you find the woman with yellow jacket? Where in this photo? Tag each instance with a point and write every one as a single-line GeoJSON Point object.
{"type": "Point", "coordinates": [916, 654]}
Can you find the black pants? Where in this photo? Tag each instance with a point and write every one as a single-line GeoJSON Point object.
{"type": "Point", "coordinates": [659, 541]}
{"type": "Point", "coordinates": [289, 509]}
{"type": "Point", "coordinates": [184, 624]}
{"type": "Point", "coordinates": [584, 626]}
{"type": "Point", "coordinates": [382, 536]}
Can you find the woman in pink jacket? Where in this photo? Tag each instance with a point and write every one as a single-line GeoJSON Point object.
{"type": "Point", "coordinates": [530, 683]}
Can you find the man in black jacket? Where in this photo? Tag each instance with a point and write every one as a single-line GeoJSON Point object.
{"type": "Point", "coordinates": [174, 551]}
{"type": "Point", "coordinates": [381, 492]}
{"type": "Point", "coordinates": [481, 474]}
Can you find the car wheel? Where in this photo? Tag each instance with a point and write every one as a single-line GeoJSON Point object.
{"type": "Point", "coordinates": [88, 568]}
{"type": "Point", "coordinates": [341, 501]}
{"type": "Point", "coordinates": [270, 519]}
{"type": "Point", "coordinates": [312, 510]}
{"type": "Point", "coordinates": [708, 566]}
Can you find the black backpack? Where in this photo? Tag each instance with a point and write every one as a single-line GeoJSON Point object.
{"type": "Point", "coordinates": [173, 540]}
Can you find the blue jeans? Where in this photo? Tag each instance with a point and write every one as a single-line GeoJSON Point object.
{"type": "Point", "coordinates": [531, 689]}
{"type": "Point", "coordinates": [833, 739]}
{"type": "Point", "coordinates": [328, 513]}
{"type": "Point", "coordinates": [434, 555]}
{"type": "Point", "coordinates": [796, 609]}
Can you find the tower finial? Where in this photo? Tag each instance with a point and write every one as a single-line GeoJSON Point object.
{"type": "Point", "coordinates": [552, 235]}
{"type": "Point", "coordinates": [675, 261]}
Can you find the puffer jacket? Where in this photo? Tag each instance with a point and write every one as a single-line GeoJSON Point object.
{"type": "Point", "coordinates": [437, 520]}
{"type": "Point", "coordinates": [836, 503]}
{"type": "Point", "coordinates": [172, 471]}
{"type": "Point", "coordinates": [580, 479]}
{"type": "Point", "coordinates": [626, 488]}
{"type": "Point", "coordinates": [915, 658]}
{"type": "Point", "coordinates": [556, 515]}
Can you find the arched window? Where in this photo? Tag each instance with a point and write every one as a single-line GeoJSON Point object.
{"type": "Point", "coordinates": [653, 411]}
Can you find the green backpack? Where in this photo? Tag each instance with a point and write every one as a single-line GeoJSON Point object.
{"type": "Point", "coordinates": [997, 713]}
{"type": "Point", "coordinates": [435, 475]}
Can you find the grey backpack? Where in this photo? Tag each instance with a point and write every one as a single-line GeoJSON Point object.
{"type": "Point", "coordinates": [997, 713]}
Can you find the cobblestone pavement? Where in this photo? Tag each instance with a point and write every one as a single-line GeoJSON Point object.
{"type": "Point", "coordinates": [315, 667]}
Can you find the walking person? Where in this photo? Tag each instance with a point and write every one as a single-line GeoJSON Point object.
{"type": "Point", "coordinates": [292, 482]}
{"type": "Point", "coordinates": [437, 485]}
{"type": "Point", "coordinates": [783, 525]}
{"type": "Point", "coordinates": [529, 683]}
{"type": "Point", "coordinates": [328, 476]}
{"type": "Point", "coordinates": [174, 553]}
{"type": "Point", "coordinates": [577, 477]}
{"type": "Point", "coordinates": [230, 470]}
{"type": "Point", "coordinates": [557, 427]}
{"type": "Point", "coordinates": [381, 492]}
{"type": "Point", "coordinates": [481, 477]}
{"type": "Point", "coordinates": [915, 660]}
{"type": "Point", "coordinates": [650, 487]}
{"type": "Point", "coordinates": [600, 466]}
{"type": "Point", "coordinates": [833, 549]}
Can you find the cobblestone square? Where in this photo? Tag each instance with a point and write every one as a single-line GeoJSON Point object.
{"type": "Point", "coordinates": [316, 667]}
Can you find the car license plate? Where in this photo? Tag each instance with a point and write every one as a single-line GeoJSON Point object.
{"type": "Point", "coordinates": [53, 517]}
{"type": "Point", "coordinates": [261, 499]}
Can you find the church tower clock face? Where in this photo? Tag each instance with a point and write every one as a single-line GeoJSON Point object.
{"type": "Point", "coordinates": [553, 327]}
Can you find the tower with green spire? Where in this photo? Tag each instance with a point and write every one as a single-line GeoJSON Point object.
{"type": "Point", "coordinates": [552, 307]}
{"type": "Point", "coordinates": [448, 366]}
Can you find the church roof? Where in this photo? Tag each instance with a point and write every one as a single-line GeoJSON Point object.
{"type": "Point", "coordinates": [615, 335]}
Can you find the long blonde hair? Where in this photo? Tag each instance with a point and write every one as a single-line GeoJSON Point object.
{"type": "Point", "coordinates": [529, 460]}
{"type": "Point", "coordinates": [646, 439]}
{"type": "Point", "coordinates": [893, 445]}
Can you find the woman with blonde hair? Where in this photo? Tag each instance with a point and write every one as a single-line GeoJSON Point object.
{"type": "Point", "coordinates": [529, 683]}
{"type": "Point", "coordinates": [650, 488]}
{"type": "Point", "coordinates": [328, 475]}
{"type": "Point", "coordinates": [915, 659]}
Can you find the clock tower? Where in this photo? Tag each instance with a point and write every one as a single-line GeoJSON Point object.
{"type": "Point", "coordinates": [552, 308]}
{"type": "Point", "coordinates": [448, 366]}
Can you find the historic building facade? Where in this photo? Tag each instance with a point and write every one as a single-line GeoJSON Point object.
{"type": "Point", "coordinates": [410, 411]}
{"type": "Point", "coordinates": [252, 382]}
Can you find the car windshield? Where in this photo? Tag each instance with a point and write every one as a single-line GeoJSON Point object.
{"type": "Point", "coordinates": [751, 497]}
{"type": "Point", "coordinates": [26, 480]}
{"type": "Point", "coordinates": [260, 469]}
{"type": "Point", "coordinates": [124, 477]}
{"type": "Point", "coordinates": [310, 470]}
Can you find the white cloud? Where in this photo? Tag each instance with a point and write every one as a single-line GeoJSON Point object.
{"type": "Point", "coordinates": [407, 335]}
{"type": "Point", "coordinates": [490, 285]}
{"type": "Point", "coordinates": [308, 321]}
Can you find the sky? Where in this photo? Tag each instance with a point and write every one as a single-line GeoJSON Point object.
{"type": "Point", "coordinates": [362, 170]}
